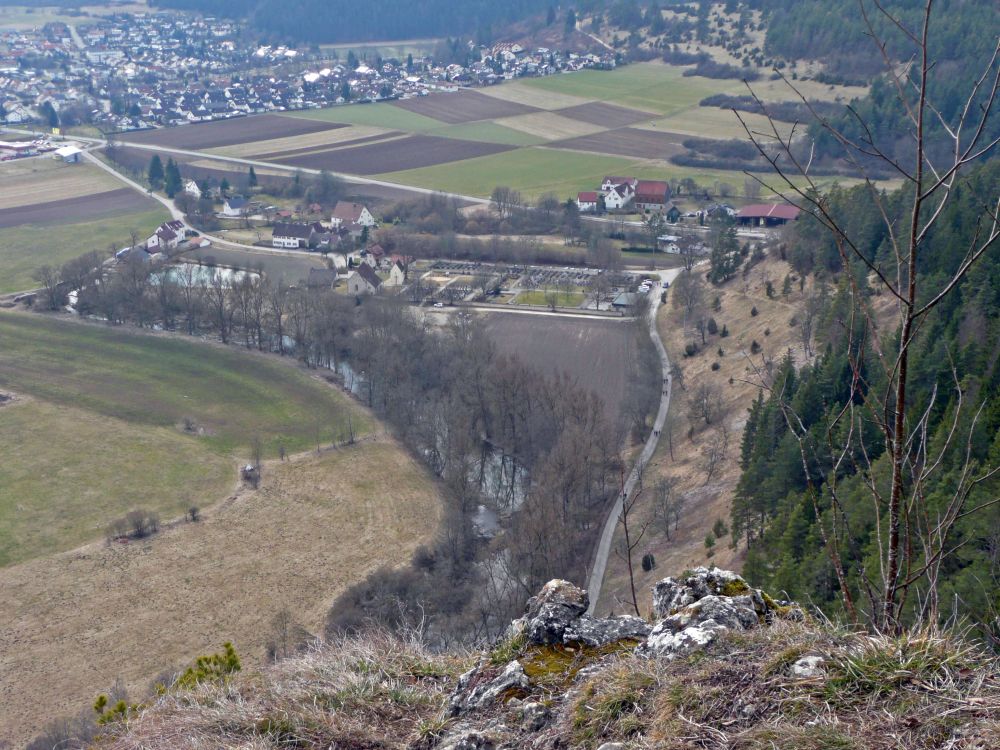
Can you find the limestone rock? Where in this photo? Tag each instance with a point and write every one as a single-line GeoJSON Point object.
{"type": "Point", "coordinates": [534, 716]}
{"type": "Point", "coordinates": [467, 740]}
{"type": "Point", "coordinates": [475, 691]}
{"type": "Point", "coordinates": [809, 666]}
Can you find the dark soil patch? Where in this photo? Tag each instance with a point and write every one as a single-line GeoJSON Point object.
{"type": "Point", "coordinates": [643, 144]}
{"type": "Point", "coordinates": [83, 208]}
{"type": "Point", "coordinates": [229, 132]}
{"type": "Point", "coordinates": [463, 106]}
{"type": "Point", "coordinates": [405, 153]}
{"type": "Point", "coordinates": [608, 115]}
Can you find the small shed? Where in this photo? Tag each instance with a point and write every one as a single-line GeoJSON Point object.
{"type": "Point", "coordinates": [68, 154]}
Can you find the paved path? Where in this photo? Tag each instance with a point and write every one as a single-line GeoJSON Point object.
{"type": "Point", "coordinates": [603, 550]}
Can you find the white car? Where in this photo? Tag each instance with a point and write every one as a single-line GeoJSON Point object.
{"type": "Point", "coordinates": [439, 304]}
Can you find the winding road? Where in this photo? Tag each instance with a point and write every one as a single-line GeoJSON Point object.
{"type": "Point", "coordinates": [603, 550]}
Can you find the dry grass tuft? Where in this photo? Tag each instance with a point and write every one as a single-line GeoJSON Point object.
{"type": "Point", "coordinates": [375, 691]}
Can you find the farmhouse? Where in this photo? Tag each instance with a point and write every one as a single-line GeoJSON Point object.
{"type": "Point", "coordinates": [346, 213]}
{"type": "Point", "coordinates": [652, 195]}
{"type": "Point", "coordinates": [766, 215]}
{"type": "Point", "coordinates": [166, 237]}
{"type": "Point", "coordinates": [363, 281]}
{"type": "Point", "coordinates": [235, 206]}
{"type": "Point", "coordinates": [292, 236]}
{"type": "Point", "coordinates": [192, 189]}
{"type": "Point", "coordinates": [618, 192]}
{"type": "Point", "coordinates": [586, 202]}
{"type": "Point", "coordinates": [373, 256]}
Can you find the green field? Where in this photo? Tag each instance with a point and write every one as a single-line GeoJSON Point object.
{"type": "Point", "coordinates": [98, 425]}
{"type": "Point", "coordinates": [25, 248]}
{"type": "Point", "coordinates": [381, 115]}
{"type": "Point", "coordinates": [533, 171]}
{"type": "Point", "coordinates": [652, 87]}
{"type": "Point", "coordinates": [68, 472]}
{"type": "Point", "coordinates": [159, 381]}
{"type": "Point", "coordinates": [539, 297]}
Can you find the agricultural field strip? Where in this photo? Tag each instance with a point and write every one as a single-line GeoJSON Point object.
{"type": "Point", "coordinates": [412, 152]}
{"type": "Point", "coordinates": [633, 142]}
{"type": "Point", "coordinates": [232, 132]}
{"type": "Point", "coordinates": [550, 125]}
{"type": "Point", "coordinates": [389, 135]}
{"type": "Point", "coordinates": [112, 202]}
{"type": "Point", "coordinates": [466, 105]}
{"type": "Point", "coordinates": [71, 181]}
{"type": "Point", "coordinates": [319, 139]}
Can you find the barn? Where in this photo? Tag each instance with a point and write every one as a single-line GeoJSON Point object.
{"type": "Point", "coordinates": [766, 215]}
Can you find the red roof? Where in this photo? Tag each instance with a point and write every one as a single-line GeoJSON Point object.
{"type": "Point", "coordinates": [654, 189]}
{"type": "Point", "coordinates": [769, 211]}
{"type": "Point", "coordinates": [587, 197]}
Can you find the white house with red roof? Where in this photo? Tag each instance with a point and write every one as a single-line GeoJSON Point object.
{"type": "Point", "coordinates": [618, 192]}
{"type": "Point", "coordinates": [586, 202]}
{"type": "Point", "coordinates": [166, 237]}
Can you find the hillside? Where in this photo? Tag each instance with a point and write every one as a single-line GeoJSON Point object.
{"type": "Point", "coordinates": [721, 666]}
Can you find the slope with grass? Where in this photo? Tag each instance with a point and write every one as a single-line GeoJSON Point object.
{"type": "Point", "coordinates": [72, 624]}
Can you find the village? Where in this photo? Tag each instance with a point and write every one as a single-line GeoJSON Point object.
{"type": "Point", "coordinates": [137, 71]}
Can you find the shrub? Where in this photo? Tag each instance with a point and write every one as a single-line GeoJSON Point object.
{"type": "Point", "coordinates": [715, 366]}
{"type": "Point", "coordinates": [724, 332]}
{"type": "Point", "coordinates": [720, 529]}
{"type": "Point", "coordinates": [713, 327]}
{"type": "Point", "coordinates": [690, 349]}
{"type": "Point", "coordinates": [648, 561]}
{"type": "Point", "coordinates": [754, 347]}
{"type": "Point", "coordinates": [753, 311]}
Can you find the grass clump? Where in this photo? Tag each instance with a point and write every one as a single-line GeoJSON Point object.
{"type": "Point", "coordinates": [614, 704]}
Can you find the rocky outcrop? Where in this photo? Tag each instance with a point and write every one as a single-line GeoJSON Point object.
{"type": "Point", "coordinates": [689, 613]}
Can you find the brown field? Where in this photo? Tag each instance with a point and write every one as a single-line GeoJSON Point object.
{"type": "Point", "coordinates": [595, 353]}
{"type": "Point", "coordinates": [43, 183]}
{"type": "Point", "coordinates": [406, 153]}
{"type": "Point", "coordinates": [320, 139]}
{"type": "Point", "coordinates": [73, 623]}
{"type": "Point", "coordinates": [642, 144]}
{"type": "Point", "coordinates": [83, 208]}
{"type": "Point", "coordinates": [463, 106]}
{"type": "Point", "coordinates": [279, 155]}
{"type": "Point", "coordinates": [608, 115]}
{"type": "Point", "coordinates": [229, 132]}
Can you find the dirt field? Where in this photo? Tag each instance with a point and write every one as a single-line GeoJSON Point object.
{"type": "Point", "coordinates": [71, 624]}
{"type": "Point", "coordinates": [41, 183]}
{"type": "Point", "coordinates": [608, 115]}
{"type": "Point", "coordinates": [412, 152]}
{"type": "Point", "coordinates": [532, 97]}
{"type": "Point", "coordinates": [229, 132]}
{"type": "Point", "coordinates": [642, 144]}
{"type": "Point", "coordinates": [463, 106]}
{"type": "Point", "coordinates": [85, 207]}
{"type": "Point", "coordinates": [595, 353]}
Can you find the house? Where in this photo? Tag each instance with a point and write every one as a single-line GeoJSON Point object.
{"type": "Point", "coordinates": [292, 236]}
{"type": "Point", "coordinates": [364, 280]}
{"type": "Point", "coordinates": [346, 213]}
{"type": "Point", "coordinates": [397, 275]}
{"type": "Point", "coordinates": [766, 215]}
{"type": "Point", "coordinates": [618, 197]}
{"type": "Point", "coordinates": [625, 301]}
{"type": "Point", "coordinates": [235, 206]}
{"type": "Point", "coordinates": [609, 182]}
{"type": "Point", "coordinates": [586, 202]}
{"type": "Point", "coordinates": [652, 195]}
{"type": "Point", "coordinates": [68, 154]}
{"type": "Point", "coordinates": [192, 189]}
{"type": "Point", "coordinates": [374, 256]}
{"type": "Point", "coordinates": [134, 254]}
{"type": "Point", "coordinates": [322, 278]}
{"type": "Point", "coordinates": [166, 237]}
